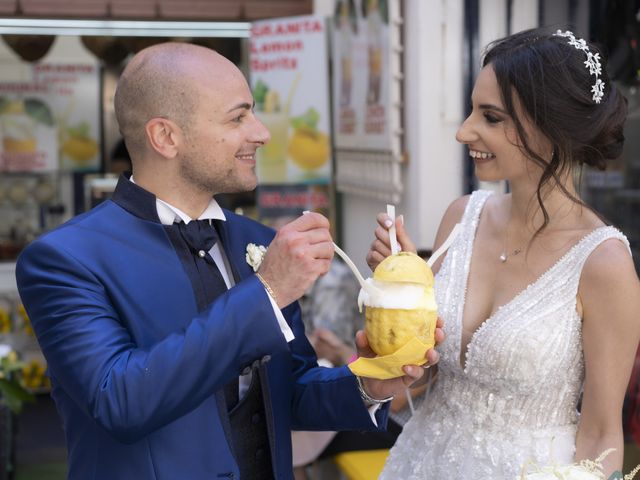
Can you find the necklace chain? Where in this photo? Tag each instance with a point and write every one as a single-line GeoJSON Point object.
{"type": "Point", "coordinates": [504, 256]}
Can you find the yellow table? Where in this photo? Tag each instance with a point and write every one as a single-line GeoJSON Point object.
{"type": "Point", "coordinates": [362, 465]}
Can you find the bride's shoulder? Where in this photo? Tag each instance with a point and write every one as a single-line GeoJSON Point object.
{"type": "Point", "coordinates": [609, 276]}
{"type": "Point", "coordinates": [610, 262]}
{"type": "Point", "coordinates": [456, 209]}
{"type": "Point", "coordinates": [452, 216]}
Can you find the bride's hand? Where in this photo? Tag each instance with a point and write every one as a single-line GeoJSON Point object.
{"type": "Point", "coordinates": [381, 246]}
{"type": "Point", "coordinates": [393, 386]}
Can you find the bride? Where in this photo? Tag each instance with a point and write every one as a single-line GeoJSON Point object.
{"type": "Point", "coordinates": [540, 298]}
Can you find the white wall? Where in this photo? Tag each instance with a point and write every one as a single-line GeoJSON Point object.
{"type": "Point", "coordinates": [433, 110]}
{"type": "Point", "coordinates": [492, 26]}
{"type": "Point", "coordinates": [434, 89]}
{"type": "Point", "coordinates": [524, 15]}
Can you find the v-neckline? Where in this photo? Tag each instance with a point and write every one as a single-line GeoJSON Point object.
{"type": "Point", "coordinates": [463, 364]}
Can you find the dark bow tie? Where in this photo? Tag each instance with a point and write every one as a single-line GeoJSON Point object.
{"type": "Point", "coordinates": [200, 236]}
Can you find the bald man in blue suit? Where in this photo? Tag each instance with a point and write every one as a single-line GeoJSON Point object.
{"type": "Point", "coordinates": [170, 357]}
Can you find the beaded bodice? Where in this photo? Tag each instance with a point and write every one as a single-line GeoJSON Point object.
{"type": "Point", "coordinates": [515, 398]}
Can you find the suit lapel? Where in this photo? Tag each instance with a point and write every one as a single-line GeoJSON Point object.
{"type": "Point", "coordinates": [235, 247]}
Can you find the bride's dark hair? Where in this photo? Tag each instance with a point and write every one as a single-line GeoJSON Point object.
{"type": "Point", "coordinates": [553, 88]}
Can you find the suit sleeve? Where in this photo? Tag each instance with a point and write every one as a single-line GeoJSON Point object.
{"type": "Point", "coordinates": [127, 390]}
{"type": "Point", "coordinates": [325, 398]}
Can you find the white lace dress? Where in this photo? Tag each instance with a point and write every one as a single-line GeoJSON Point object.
{"type": "Point", "coordinates": [515, 399]}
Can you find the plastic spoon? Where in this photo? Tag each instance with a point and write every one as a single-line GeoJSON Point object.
{"type": "Point", "coordinates": [370, 289]}
{"type": "Point", "coordinates": [444, 247]}
{"type": "Point", "coordinates": [393, 239]}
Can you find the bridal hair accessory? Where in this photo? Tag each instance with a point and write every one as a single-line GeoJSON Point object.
{"type": "Point", "coordinates": [255, 254]}
{"type": "Point", "coordinates": [585, 470]}
{"type": "Point", "coordinates": [592, 62]}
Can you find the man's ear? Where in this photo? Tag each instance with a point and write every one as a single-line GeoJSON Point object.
{"type": "Point", "coordinates": [164, 136]}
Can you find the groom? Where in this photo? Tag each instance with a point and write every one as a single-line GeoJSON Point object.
{"type": "Point", "coordinates": [169, 357]}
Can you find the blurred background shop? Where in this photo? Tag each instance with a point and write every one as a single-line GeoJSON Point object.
{"type": "Point", "coordinates": [362, 97]}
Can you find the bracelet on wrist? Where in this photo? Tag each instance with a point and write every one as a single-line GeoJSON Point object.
{"type": "Point", "coordinates": [369, 399]}
{"type": "Point", "coordinates": [267, 287]}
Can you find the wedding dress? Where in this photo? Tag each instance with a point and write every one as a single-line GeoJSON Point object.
{"type": "Point", "coordinates": [515, 399]}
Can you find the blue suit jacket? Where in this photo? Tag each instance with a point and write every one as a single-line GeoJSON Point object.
{"type": "Point", "coordinates": [137, 371]}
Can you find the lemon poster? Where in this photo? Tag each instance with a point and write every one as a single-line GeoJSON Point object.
{"type": "Point", "coordinates": [51, 122]}
{"type": "Point", "coordinates": [362, 72]}
{"type": "Point", "coordinates": [27, 126]}
{"type": "Point", "coordinates": [290, 82]}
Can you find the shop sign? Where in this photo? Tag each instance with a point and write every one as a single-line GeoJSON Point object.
{"type": "Point", "coordinates": [362, 75]}
{"type": "Point", "coordinates": [289, 78]}
{"type": "Point", "coordinates": [52, 121]}
{"type": "Point", "coordinates": [278, 203]}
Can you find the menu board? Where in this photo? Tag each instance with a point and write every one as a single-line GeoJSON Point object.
{"type": "Point", "coordinates": [51, 122]}
{"type": "Point", "coordinates": [362, 75]}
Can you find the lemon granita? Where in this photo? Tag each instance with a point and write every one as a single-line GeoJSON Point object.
{"type": "Point", "coordinates": [402, 306]}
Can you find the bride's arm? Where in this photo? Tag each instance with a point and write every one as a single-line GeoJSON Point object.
{"type": "Point", "coordinates": [609, 297]}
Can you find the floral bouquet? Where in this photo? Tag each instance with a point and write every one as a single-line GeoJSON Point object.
{"type": "Point", "coordinates": [585, 470]}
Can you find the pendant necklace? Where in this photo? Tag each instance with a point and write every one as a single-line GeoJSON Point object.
{"type": "Point", "coordinates": [505, 255]}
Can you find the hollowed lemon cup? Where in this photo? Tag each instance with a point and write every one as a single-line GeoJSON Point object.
{"type": "Point", "coordinates": [390, 329]}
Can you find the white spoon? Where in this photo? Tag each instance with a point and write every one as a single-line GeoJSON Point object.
{"type": "Point", "coordinates": [370, 289]}
{"type": "Point", "coordinates": [443, 248]}
{"type": "Point", "coordinates": [393, 239]}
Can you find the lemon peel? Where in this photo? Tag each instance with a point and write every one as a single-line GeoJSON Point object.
{"type": "Point", "coordinates": [389, 329]}
{"type": "Point", "coordinates": [404, 267]}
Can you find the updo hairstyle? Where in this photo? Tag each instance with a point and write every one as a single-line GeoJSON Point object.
{"type": "Point", "coordinates": [548, 79]}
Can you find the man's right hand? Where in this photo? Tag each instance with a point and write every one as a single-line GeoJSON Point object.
{"type": "Point", "coordinates": [300, 252]}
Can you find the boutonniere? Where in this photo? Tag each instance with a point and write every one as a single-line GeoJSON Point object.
{"type": "Point", "coordinates": [255, 254]}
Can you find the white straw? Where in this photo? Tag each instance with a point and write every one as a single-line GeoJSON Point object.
{"type": "Point", "coordinates": [366, 286]}
{"type": "Point", "coordinates": [369, 288]}
{"type": "Point", "coordinates": [407, 392]}
{"type": "Point", "coordinates": [444, 247]}
{"type": "Point", "coordinates": [391, 211]}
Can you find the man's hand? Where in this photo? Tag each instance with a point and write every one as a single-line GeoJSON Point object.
{"type": "Point", "coordinates": [386, 388]}
{"type": "Point", "coordinates": [300, 252]}
{"type": "Point", "coordinates": [381, 246]}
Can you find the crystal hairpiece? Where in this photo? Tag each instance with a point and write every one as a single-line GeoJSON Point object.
{"type": "Point", "coordinates": [592, 62]}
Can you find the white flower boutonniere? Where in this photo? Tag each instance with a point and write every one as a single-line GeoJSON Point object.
{"type": "Point", "coordinates": [255, 254]}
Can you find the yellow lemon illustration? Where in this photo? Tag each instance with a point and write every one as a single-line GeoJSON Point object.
{"type": "Point", "coordinates": [19, 145]}
{"type": "Point", "coordinates": [13, 107]}
{"type": "Point", "coordinates": [308, 149]}
{"type": "Point", "coordinates": [406, 308]}
{"type": "Point", "coordinates": [79, 149]}
{"type": "Point", "coordinates": [17, 129]}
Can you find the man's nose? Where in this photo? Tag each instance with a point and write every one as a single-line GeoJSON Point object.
{"type": "Point", "coordinates": [261, 133]}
